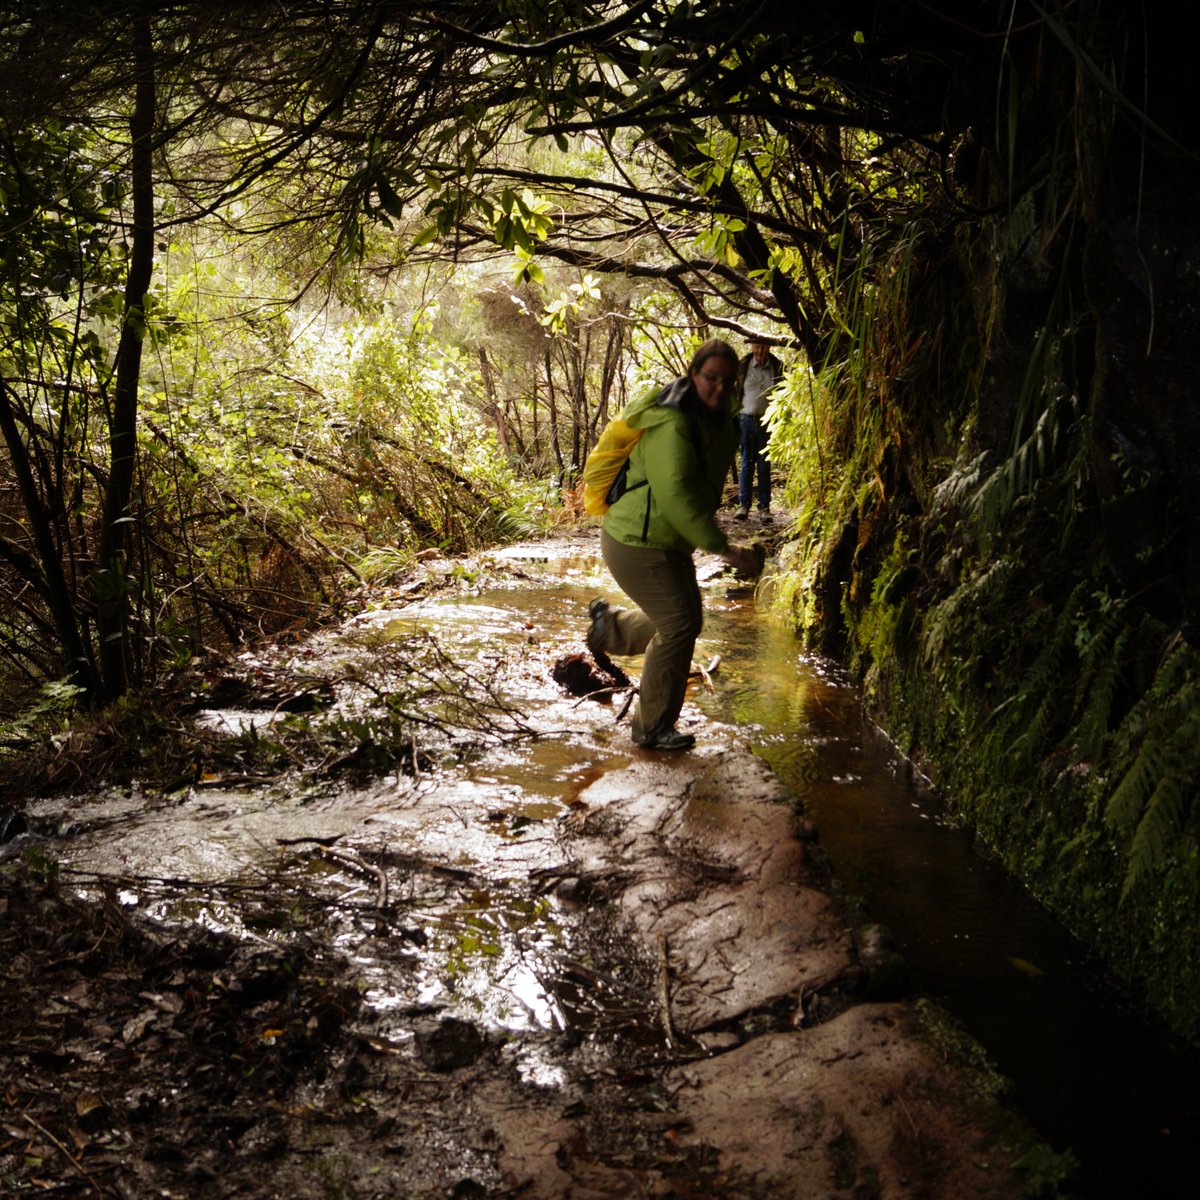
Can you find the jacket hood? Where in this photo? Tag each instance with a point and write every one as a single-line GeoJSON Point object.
{"type": "Point", "coordinates": [668, 402]}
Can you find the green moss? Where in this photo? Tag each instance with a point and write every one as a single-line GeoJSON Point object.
{"type": "Point", "coordinates": [999, 709]}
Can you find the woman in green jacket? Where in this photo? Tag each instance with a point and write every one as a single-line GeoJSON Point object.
{"type": "Point", "coordinates": [676, 474]}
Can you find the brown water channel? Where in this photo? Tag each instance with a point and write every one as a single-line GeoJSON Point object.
{"type": "Point", "coordinates": [1085, 1070]}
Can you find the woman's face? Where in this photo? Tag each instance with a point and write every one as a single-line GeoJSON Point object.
{"type": "Point", "coordinates": [713, 381]}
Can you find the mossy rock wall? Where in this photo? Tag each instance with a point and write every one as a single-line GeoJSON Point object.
{"type": "Point", "coordinates": [1017, 583]}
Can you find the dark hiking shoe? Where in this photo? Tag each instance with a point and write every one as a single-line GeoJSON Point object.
{"type": "Point", "coordinates": [741, 514]}
{"type": "Point", "coordinates": [671, 740]}
{"type": "Point", "coordinates": [765, 516]}
{"type": "Point", "coordinates": [600, 612]}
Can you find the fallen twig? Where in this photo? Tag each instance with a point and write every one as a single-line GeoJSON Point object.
{"type": "Point", "coordinates": [664, 992]}
{"type": "Point", "coordinates": [65, 1152]}
{"type": "Point", "coordinates": [355, 863]}
{"type": "Point", "coordinates": [604, 691]}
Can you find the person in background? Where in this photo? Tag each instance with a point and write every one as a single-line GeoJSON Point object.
{"type": "Point", "coordinates": [758, 373]}
{"type": "Point", "coordinates": [677, 472]}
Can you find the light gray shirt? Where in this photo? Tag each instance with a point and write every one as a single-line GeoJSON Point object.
{"type": "Point", "coordinates": [758, 382]}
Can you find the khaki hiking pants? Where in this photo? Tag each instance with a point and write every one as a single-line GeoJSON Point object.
{"type": "Point", "coordinates": [664, 627]}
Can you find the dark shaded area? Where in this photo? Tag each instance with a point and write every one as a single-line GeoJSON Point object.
{"type": "Point", "coordinates": [135, 1056]}
{"type": "Point", "coordinates": [1086, 1063]}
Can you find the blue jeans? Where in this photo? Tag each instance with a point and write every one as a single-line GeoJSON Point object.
{"type": "Point", "coordinates": [754, 445]}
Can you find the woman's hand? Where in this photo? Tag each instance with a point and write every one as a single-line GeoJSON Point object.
{"type": "Point", "coordinates": [745, 560]}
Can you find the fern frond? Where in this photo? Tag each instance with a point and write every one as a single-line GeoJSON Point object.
{"type": "Point", "coordinates": [1156, 795]}
{"type": "Point", "coordinates": [938, 628]}
{"type": "Point", "coordinates": [1129, 800]}
{"type": "Point", "coordinates": [955, 492]}
{"type": "Point", "coordinates": [1020, 472]}
{"type": "Point", "coordinates": [1040, 685]}
{"type": "Point", "coordinates": [1101, 692]}
{"type": "Point", "coordinates": [1166, 810]}
{"type": "Point", "coordinates": [973, 597]}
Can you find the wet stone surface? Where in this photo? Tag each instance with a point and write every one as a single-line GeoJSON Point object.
{"type": "Point", "coordinates": [723, 888]}
{"type": "Point", "coordinates": [554, 967]}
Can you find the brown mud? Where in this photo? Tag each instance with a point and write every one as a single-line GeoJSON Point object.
{"type": "Point", "coordinates": [568, 969]}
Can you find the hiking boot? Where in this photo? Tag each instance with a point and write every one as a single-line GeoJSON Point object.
{"type": "Point", "coordinates": [600, 612]}
{"type": "Point", "coordinates": [741, 514]}
{"type": "Point", "coordinates": [765, 516]}
{"type": "Point", "coordinates": [672, 739]}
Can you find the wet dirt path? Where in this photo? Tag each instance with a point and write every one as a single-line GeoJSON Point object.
{"type": "Point", "coordinates": [584, 970]}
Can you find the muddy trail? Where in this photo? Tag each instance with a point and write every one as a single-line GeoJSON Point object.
{"type": "Point", "coordinates": [463, 940]}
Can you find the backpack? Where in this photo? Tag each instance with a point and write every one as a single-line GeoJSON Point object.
{"type": "Point", "coordinates": [606, 471]}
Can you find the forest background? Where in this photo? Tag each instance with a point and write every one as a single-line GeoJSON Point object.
{"type": "Point", "coordinates": [289, 294]}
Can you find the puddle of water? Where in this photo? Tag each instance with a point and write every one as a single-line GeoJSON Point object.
{"type": "Point", "coordinates": [486, 958]}
{"type": "Point", "coordinates": [234, 722]}
{"type": "Point", "coordinates": [547, 775]}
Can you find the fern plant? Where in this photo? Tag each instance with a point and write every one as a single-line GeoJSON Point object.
{"type": "Point", "coordinates": [996, 494]}
{"type": "Point", "coordinates": [1104, 656]}
{"type": "Point", "coordinates": [1154, 802]}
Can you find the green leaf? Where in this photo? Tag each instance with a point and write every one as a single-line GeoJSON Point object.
{"type": "Point", "coordinates": [391, 202]}
{"type": "Point", "coordinates": [529, 272]}
{"type": "Point", "coordinates": [522, 238]}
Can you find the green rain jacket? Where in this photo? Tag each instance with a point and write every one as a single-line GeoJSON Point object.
{"type": "Point", "coordinates": [677, 471]}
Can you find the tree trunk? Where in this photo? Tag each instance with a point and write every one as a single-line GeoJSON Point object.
{"type": "Point", "coordinates": [552, 406]}
{"type": "Point", "coordinates": [489, 385]}
{"type": "Point", "coordinates": [112, 584]}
